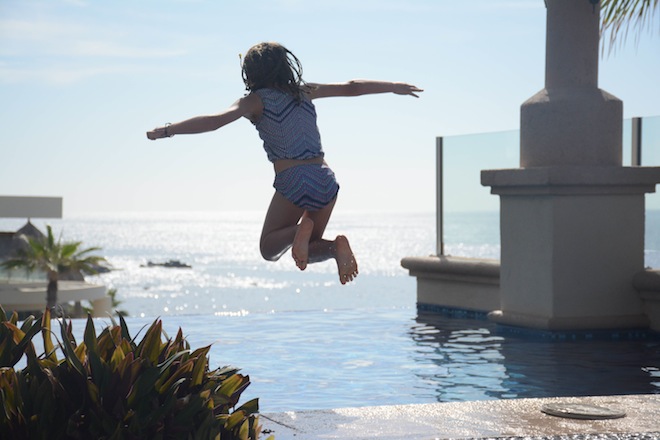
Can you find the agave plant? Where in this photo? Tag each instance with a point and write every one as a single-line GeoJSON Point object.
{"type": "Point", "coordinates": [111, 387]}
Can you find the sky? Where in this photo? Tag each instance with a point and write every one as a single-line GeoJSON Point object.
{"type": "Point", "coordinates": [81, 81]}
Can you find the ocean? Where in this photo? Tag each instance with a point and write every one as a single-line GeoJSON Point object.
{"type": "Point", "coordinates": [309, 342]}
{"type": "Point", "coordinates": [228, 275]}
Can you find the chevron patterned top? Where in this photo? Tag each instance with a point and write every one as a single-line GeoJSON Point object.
{"type": "Point", "coordinates": [288, 128]}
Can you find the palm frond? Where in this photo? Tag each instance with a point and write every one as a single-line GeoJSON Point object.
{"type": "Point", "coordinates": [50, 239]}
{"type": "Point", "coordinates": [69, 249]}
{"type": "Point", "coordinates": [82, 253]}
{"type": "Point", "coordinates": [620, 16]}
{"type": "Point", "coordinates": [15, 263]}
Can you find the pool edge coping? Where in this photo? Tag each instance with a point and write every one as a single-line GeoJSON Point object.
{"type": "Point", "coordinates": [473, 419]}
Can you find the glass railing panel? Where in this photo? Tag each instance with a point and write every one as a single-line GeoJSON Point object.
{"type": "Point", "coordinates": [471, 212]}
{"type": "Point", "coordinates": [626, 152]}
{"type": "Point", "coordinates": [651, 158]}
{"type": "Point", "coordinates": [651, 141]}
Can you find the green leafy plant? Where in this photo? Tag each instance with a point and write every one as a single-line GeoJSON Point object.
{"type": "Point", "coordinates": [111, 387]}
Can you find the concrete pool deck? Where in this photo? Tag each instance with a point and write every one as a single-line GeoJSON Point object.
{"type": "Point", "coordinates": [477, 419]}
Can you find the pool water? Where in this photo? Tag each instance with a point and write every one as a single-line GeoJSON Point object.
{"type": "Point", "coordinates": [304, 360]}
{"type": "Point", "coordinates": [308, 342]}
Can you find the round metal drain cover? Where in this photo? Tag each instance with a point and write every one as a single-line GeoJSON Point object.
{"type": "Point", "coordinates": [581, 411]}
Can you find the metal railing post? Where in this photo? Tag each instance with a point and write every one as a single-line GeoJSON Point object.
{"type": "Point", "coordinates": [636, 147]}
{"type": "Point", "coordinates": [439, 245]}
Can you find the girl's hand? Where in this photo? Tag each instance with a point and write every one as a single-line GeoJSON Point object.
{"type": "Point", "coordinates": [406, 89]}
{"type": "Point", "coordinates": [159, 133]}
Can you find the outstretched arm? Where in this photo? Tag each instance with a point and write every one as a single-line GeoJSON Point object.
{"type": "Point", "coordinates": [359, 87]}
{"type": "Point", "coordinates": [247, 106]}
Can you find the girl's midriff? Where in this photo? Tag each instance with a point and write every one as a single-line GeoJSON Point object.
{"type": "Point", "coordinates": [284, 164]}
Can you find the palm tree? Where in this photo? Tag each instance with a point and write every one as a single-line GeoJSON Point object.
{"type": "Point", "coordinates": [54, 258]}
{"type": "Point", "coordinates": [618, 16]}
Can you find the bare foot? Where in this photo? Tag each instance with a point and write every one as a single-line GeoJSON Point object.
{"type": "Point", "coordinates": [346, 263]}
{"type": "Point", "coordinates": [300, 247]}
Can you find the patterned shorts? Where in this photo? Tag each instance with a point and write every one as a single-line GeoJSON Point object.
{"type": "Point", "coordinates": [310, 187]}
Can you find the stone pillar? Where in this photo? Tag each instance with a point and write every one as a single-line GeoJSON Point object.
{"type": "Point", "coordinates": [572, 218]}
{"type": "Point", "coordinates": [571, 121]}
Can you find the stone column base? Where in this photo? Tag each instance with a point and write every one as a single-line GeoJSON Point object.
{"type": "Point", "coordinates": [572, 240]}
{"type": "Point", "coordinates": [569, 323]}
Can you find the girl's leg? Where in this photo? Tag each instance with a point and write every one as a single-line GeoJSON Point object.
{"type": "Point", "coordinates": [340, 250]}
{"type": "Point", "coordinates": [281, 231]}
{"type": "Point", "coordinates": [317, 249]}
{"type": "Point", "coordinates": [300, 246]}
{"type": "Point", "coordinates": [280, 227]}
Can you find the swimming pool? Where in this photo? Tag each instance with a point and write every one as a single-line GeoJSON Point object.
{"type": "Point", "coordinates": [308, 342]}
{"type": "Point", "coordinates": [305, 360]}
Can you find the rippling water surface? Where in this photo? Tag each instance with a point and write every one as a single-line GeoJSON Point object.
{"type": "Point", "coordinates": [304, 360]}
{"type": "Point", "coordinates": [308, 342]}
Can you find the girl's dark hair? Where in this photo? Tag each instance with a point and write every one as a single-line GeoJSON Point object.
{"type": "Point", "coordinates": [273, 65]}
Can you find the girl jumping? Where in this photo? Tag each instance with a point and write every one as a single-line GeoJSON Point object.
{"type": "Point", "coordinates": [279, 104]}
